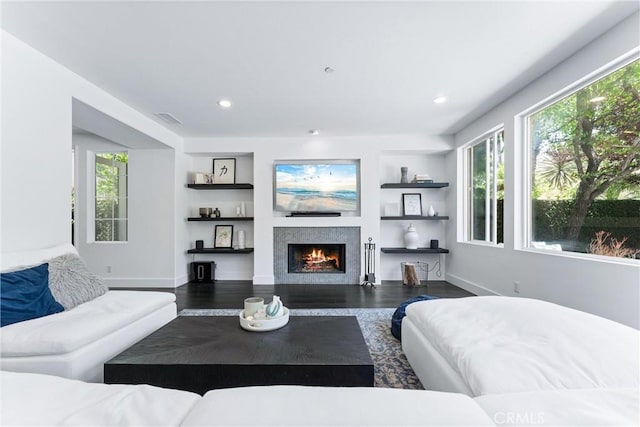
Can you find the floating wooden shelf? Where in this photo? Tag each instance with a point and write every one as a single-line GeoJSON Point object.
{"type": "Point", "coordinates": [414, 218]}
{"type": "Point", "coordinates": [414, 251]}
{"type": "Point", "coordinates": [221, 186]}
{"type": "Point", "coordinates": [220, 251]}
{"type": "Point", "coordinates": [222, 218]}
{"type": "Point", "coordinates": [410, 185]}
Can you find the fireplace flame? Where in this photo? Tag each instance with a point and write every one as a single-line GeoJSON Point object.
{"type": "Point", "coordinates": [317, 256]}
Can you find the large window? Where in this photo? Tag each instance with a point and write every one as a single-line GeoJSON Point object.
{"type": "Point", "coordinates": [585, 168]}
{"type": "Point", "coordinates": [111, 171]}
{"type": "Point", "coordinates": [484, 188]}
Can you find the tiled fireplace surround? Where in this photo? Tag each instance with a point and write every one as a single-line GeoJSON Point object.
{"type": "Point", "coordinates": [283, 236]}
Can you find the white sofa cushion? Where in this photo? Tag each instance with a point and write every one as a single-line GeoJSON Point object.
{"type": "Point", "coordinates": [44, 400]}
{"type": "Point", "coordinates": [67, 331]}
{"type": "Point", "coordinates": [333, 406]}
{"type": "Point", "coordinates": [578, 407]}
{"type": "Point", "coordinates": [503, 344]}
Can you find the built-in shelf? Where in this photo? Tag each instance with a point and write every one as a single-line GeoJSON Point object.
{"type": "Point", "coordinates": [414, 251]}
{"type": "Point", "coordinates": [415, 185]}
{"type": "Point", "coordinates": [220, 251]}
{"type": "Point", "coordinates": [222, 218]}
{"type": "Point", "coordinates": [221, 186]}
{"type": "Point", "coordinates": [414, 218]}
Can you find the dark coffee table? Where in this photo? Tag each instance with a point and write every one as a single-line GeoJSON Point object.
{"type": "Point", "coordinates": [200, 353]}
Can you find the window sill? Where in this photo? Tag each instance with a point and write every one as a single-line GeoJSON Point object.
{"type": "Point", "coordinates": [107, 243]}
{"type": "Point", "coordinates": [583, 257]}
{"type": "Point", "coordinates": [482, 243]}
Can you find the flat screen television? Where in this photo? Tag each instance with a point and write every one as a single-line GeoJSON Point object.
{"type": "Point", "coordinates": [316, 186]}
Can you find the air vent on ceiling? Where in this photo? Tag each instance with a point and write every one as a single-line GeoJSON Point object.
{"type": "Point", "coordinates": [169, 118]}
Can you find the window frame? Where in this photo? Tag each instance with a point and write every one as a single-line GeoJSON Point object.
{"type": "Point", "coordinates": [92, 157]}
{"type": "Point", "coordinates": [524, 159]}
{"type": "Point", "coordinates": [465, 162]}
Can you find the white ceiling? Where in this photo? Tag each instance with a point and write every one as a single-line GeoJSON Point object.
{"type": "Point", "coordinates": [390, 58]}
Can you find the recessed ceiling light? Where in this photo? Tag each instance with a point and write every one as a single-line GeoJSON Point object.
{"type": "Point", "coordinates": [314, 132]}
{"type": "Point", "coordinates": [597, 99]}
{"type": "Point", "coordinates": [440, 99]}
{"type": "Point", "coordinates": [328, 70]}
{"type": "Point", "coordinates": [224, 103]}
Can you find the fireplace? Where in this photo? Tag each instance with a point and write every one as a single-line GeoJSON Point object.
{"type": "Point", "coordinates": [316, 258]}
{"type": "Point", "coordinates": [336, 260]}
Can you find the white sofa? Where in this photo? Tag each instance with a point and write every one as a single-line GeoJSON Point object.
{"type": "Point", "coordinates": [496, 345]}
{"type": "Point", "coordinates": [526, 361]}
{"type": "Point", "coordinates": [30, 399]}
{"type": "Point", "coordinates": [36, 399]}
{"type": "Point", "coordinates": [76, 343]}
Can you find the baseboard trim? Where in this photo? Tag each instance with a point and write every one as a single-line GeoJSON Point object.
{"type": "Point", "coordinates": [468, 286]}
{"type": "Point", "coordinates": [182, 280]}
{"type": "Point", "coordinates": [139, 282]}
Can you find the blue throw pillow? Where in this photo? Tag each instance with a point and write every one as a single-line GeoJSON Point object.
{"type": "Point", "coordinates": [400, 313]}
{"type": "Point", "coordinates": [25, 295]}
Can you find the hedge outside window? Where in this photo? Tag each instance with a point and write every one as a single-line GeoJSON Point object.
{"type": "Point", "coordinates": [585, 168]}
{"type": "Point", "coordinates": [111, 197]}
{"type": "Point", "coordinates": [484, 188]}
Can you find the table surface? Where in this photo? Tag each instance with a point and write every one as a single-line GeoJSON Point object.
{"type": "Point", "coordinates": [219, 340]}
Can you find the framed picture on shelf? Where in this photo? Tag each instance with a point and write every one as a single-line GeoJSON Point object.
{"type": "Point", "coordinates": [411, 204]}
{"type": "Point", "coordinates": [224, 171]}
{"type": "Point", "coordinates": [223, 236]}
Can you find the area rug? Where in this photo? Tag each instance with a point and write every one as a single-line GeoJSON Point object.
{"type": "Point", "coordinates": [391, 367]}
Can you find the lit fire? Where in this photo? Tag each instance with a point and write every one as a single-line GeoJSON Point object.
{"type": "Point", "coordinates": [317, 256]}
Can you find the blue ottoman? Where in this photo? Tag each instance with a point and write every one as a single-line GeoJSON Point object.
{"type": "Point", "coordinates": [398, 315]}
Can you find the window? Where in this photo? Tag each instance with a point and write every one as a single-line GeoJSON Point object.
{"type": "Point", "coordinates": [484, 188]}
{"type": "Point", "coordinates": [111, 171]}
{"type": "Point", "coordinates": [585, 168]}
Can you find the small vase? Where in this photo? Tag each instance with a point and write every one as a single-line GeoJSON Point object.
{"type": "Point", "coordinates": [275, 307]}
{"type": "Point", "coordinates": [431, 211]}
{"type": "Point", "coordinates": [411, 238]}
{"type": "Point", "coordinates": [403, 178]}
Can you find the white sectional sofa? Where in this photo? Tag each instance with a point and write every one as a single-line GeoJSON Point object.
{"type": "Point", "coordinates": [75, 343]}
{"type": "Point", "coordinates": [30, 399]}
{"type": "Point", "coordinates": [36, 399]}
{"type": "Point", "coordinates": [526, 361]}
{"type": "Point", "coordinates": [496, 345]}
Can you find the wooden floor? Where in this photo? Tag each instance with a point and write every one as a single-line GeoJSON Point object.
{"type": "Point", "coordinates": [231, 294]}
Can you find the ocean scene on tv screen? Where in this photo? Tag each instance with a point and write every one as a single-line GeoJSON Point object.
{"type": "Point", "coordinates": [316, 187]}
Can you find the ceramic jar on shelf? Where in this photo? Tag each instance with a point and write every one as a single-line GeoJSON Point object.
{"type": "Point", "coordinates": [411, 238]}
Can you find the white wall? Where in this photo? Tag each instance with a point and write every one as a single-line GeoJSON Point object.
{"type": "Point", "coordinates": [380, 161]}
{"type": "Point", "coordinates": [37, 96]}
{"type": "Point", "coordinates": [606, 288]}
{"type": "Point", "coordinates": [146, 259]}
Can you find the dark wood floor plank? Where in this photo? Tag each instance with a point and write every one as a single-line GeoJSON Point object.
{"type": "Point", "coordinates": [231, 294]}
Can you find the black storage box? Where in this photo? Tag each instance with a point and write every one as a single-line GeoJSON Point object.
{"type": "Point", "coordinates": [203, 272]}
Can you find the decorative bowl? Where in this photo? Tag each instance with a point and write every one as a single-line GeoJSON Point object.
{"type": "Point", "coordinates": [264, 325]}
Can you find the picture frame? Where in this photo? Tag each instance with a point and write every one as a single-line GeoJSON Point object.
{"type": "Point", "coordinates": [223, 237]}
{"type": "Point", "coordinates": [411, 204]}
{"type": "Point", "coordinates": [224, 171]}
